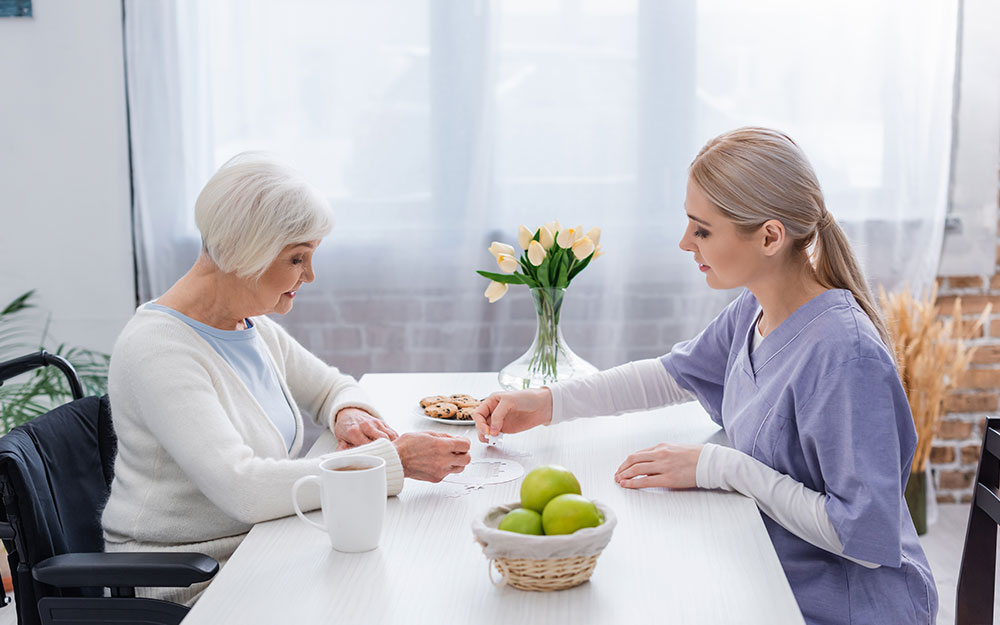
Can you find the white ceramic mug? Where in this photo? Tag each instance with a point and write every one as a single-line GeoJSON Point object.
{"type": "Point", "coordinates": [352, 495]}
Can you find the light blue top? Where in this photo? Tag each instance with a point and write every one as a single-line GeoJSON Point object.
{"type": "Point", "coordinates": [820, 400]}
{"type": "Point", "coordinates": [244, 352]}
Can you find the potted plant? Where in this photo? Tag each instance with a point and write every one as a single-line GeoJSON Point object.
{"type": "Point", "coordinates": [931, 355]}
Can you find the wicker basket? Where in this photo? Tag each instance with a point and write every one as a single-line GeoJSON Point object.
{"type": "Point", "coordinates": [541, 563]}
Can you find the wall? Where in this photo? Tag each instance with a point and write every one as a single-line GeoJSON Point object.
{"type": "Point", "coordinates": [955, 454]}
{"type": "Point", "coordinates": [64, 170]}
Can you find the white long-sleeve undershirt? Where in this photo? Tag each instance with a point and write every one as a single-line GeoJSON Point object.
{"type": "Point", "coordinates": [645, 385]}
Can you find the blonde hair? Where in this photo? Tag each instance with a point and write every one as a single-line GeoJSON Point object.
{"type": "Point", "coordinates": [252, 208]}
{"type": "Point", "coordinates": [753, 175]}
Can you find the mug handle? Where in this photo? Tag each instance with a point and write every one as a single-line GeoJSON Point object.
{"type": "Point", "coordinates": [295, 500]}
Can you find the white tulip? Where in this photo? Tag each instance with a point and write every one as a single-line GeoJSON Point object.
{"type": "Point", "coordinates": [553, 227]}
{"type": "Point", "coordinates": [495, 291]}
{"type": "Point", "coordinates": [568, 237]}
{"type": "Point", "coordinates": [583, 247]}
{"type": "Point", "coordinates": [524, 237]}
{"type": "Point", "coordinates": [594, 234]}
{"type": "Point", "coordinates": [508, 264]}
{"type": "Point", "coordinates": [497, 248]}
{"type": "Point", "coordinates": [536, 253]}
{"type": "Point", "coordinates": [546, 238]}
{"type": "Point", "coordinates": [598, 252]}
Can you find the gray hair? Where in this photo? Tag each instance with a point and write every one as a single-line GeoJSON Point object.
{"type": "Point", "coordinates": [252, 208]}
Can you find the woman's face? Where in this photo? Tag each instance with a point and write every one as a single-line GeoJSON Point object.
{"type": "Point", "coordinates": [727, 258]}
{"type": "Point", "coordinates": [290, 270]}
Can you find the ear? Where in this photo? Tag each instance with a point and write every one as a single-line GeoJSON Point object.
{"type": "Point", "coordinates": [774, 236]}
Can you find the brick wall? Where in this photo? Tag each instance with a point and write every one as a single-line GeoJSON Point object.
{"type": "Point", "coordinates": [956, 451]}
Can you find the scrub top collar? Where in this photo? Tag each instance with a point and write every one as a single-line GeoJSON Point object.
{"type": "Point", "coordinates": [786, 333]}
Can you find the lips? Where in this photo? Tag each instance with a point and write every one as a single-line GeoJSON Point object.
{"type": "Point", "coordinates": [289, 293]}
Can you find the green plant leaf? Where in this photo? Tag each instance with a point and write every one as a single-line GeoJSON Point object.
{"type": "Point", "coordinates": [505, 278]}
{"type": "Point", "coordinates": [562, 279]}
{"type": "Point", "coordinates": [543, 272]}
{"type": "Point", "coordinates": [19, 303]}
{"type": "Point", "coordinates": [580, 267]}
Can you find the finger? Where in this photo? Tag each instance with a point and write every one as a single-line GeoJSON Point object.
{"type": "Point", "coordinates": [643, 482]}
{"type": "Point", "coordinates": [460, 446]}
{"type": "Point", "coordinates": [372, 431]}
{"type": "Point", "coordinates": [640, 468]}
{"type": "Point", "coordinates": [644, 455]}
{"type": "Point", "coordinates": [343, 445]}
{"type": "Point", "coordinates": [481, 415]}
{"type": "Point", "coordinates": [385, 427]}
{"type": "Point", "coordinates": [498, 416]}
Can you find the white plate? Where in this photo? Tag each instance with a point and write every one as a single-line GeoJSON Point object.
{"type": "Point", "coordinates": [420, 411]}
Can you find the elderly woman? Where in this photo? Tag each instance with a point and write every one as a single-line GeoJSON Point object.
{"type": "Point", "coordinates": [206, 391]}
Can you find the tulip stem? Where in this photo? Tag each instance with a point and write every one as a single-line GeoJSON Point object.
{"type": "Point", "coordinates": [548, 339]}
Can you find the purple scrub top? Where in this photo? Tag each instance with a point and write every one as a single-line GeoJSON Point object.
{"type": "Point", "coordinates": [820, 400]}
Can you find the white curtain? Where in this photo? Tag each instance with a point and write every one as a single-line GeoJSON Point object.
{"type": "Point", "coordinates": [438, 126]}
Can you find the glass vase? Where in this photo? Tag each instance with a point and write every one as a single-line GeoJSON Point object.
{"type": "Point", "coordinates": [548, 359]}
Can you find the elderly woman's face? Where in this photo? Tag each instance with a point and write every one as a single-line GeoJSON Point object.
{"type": "Point", "coordinates": [293, 267]}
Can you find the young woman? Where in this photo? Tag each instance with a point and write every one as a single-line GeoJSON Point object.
{"type": "Point", "coordinates": [799, 373]}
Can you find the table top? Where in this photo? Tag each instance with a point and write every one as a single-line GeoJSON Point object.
{"type": "Point", "coordinates": [688, 556]}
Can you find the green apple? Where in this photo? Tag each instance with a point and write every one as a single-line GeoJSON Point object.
{"type": "Point", "coordinates": [522, 521]}
{"type": "Point", "coordinates": [568, 513]}
{"type": "Point", "coordinates": [541, 484]}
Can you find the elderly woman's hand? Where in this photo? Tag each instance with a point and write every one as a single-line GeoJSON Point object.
{"type": "Point", "coordinates": [354, 427]}
{"type": "Point", "coordinates": [431, 456]}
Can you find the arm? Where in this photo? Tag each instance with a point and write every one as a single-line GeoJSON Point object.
{"type": "Point", "coordinates": [639, 385]}
{"type": "Point", "coordinates": [320, 389]}
{"type": "Point", "coordinates": [170, 394]}
{"type": "Point", "coordinates": [793, 506]}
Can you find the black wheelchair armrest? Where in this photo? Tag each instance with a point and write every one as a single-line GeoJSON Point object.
{"type": "Point", "coordinates": [125, 570]}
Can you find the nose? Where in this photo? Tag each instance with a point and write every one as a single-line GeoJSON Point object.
{"type": "Point", "coordinates": [685, 243]}
{"type": "Point", "coordinates": [308, 275]}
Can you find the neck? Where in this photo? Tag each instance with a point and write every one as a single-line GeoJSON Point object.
{"type": "Point", "coordinates": [210, 296]}
{"type": "Point", "coordinates": [782, 292]}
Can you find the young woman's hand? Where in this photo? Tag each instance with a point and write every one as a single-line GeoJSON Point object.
{"type": "Point", "coordinates": [431, 456]}
{"type": "Point", "coordinates": [514, 411]}
{"type": "Point", "coordinates": [354, 427]}
{"type": "Point", "coordinates": [667, 464]}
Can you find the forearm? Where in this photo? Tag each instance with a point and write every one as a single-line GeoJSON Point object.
{"type": "Point", "coordinates": [793, 506]}
{"type": "Point", "coordinates": [639, 385]}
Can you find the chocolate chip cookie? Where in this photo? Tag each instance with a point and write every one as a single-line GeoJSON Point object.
{"type": "Point", "coordinates": [441, 410]}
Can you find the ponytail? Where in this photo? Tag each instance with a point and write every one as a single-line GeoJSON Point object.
{"type": "Point", "coordinates": [837, 268]}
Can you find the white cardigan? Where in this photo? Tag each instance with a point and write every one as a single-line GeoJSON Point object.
{"type": "Point", "coordinates": [199, 462]}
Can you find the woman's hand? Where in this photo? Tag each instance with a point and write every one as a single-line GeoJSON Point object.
{"type": "Point", "coordinates": [666, 464]}
{"type": "Point", "coordinates": [514, 411]}
{"type": "Point", "coordinates": [353, 427]}
{"type": "Point", "coordinates": [431, 456]}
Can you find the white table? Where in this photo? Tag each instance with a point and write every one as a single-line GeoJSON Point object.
{"type": "Point", "coordinates": [676, 556]}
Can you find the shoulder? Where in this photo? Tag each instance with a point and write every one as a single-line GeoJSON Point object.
{"type": "Point", "coordinates": [843, 341]}
{"type": "Point", "coordinates": [845, 332]}
{"type": "Point", "coordinates": [154, 336]}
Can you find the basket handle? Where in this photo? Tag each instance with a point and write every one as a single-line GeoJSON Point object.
{"type": "Point", "coordinates": [489, 572]}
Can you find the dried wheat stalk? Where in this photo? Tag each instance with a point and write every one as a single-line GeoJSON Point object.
{"type": "Point", "coordinates": [931, 355]}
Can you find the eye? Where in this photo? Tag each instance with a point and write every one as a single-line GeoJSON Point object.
{"type": "Point", "coordinates": [701, 233]}
{"type": "Point", "coordinates": [297, 260]}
